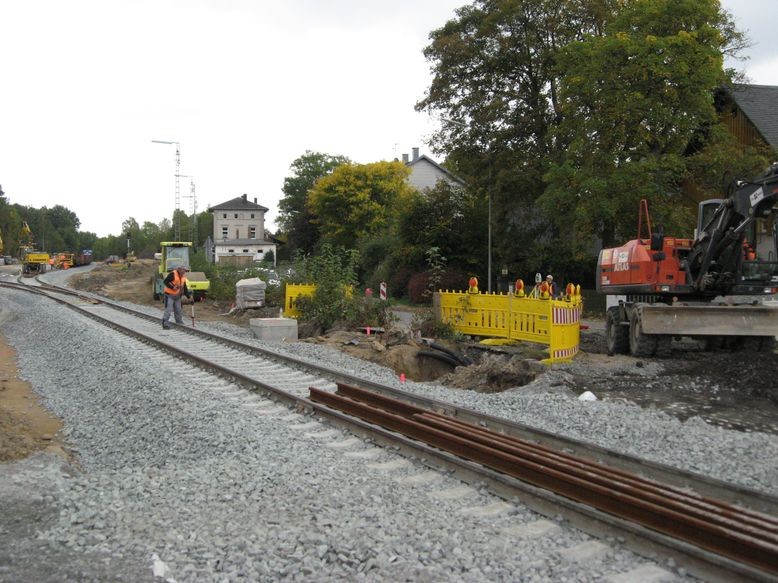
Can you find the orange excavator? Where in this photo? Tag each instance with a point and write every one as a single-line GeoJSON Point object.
{"type": "Point", "coordinates": [712, 287]}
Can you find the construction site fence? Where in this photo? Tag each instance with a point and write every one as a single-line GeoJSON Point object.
{"type": "Point", "coordinates": [297, 290]}
{"type": "Point", "coordinates": [553, 322]}
{"type": "Point", "coordinates": [294, 291]}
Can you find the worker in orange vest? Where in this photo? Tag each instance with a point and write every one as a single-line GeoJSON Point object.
{"type": "Point", "coordinates": [175, 289]}
{"type": "Point", "coordinates": [552, 289]}
{"type": "Point", "coordinates": [749, 253]}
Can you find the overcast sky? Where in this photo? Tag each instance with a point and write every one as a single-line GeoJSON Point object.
{"type": "Point", "coordinates": [245, 87]}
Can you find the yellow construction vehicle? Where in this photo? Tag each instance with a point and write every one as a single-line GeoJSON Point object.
{"type": "Point", "coordinates": [176, 254]}
{"type": "Point", "coordinates": [32, 261]}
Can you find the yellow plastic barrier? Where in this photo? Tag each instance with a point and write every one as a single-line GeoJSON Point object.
{"type": "Point", "coordinates": [555, 323]}
{"type": "Point", "coordinates": [294, 291]}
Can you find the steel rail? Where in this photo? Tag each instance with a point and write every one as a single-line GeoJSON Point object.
{"type": "Point", "coordinates": [744, 536]}
{"type": "Point", "coordinates": [703, 485]}
{"type": "Point", "coordinates": [731, 567]}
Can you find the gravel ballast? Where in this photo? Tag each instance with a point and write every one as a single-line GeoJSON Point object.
{"type": "Point", "coordinates": [177, 476]}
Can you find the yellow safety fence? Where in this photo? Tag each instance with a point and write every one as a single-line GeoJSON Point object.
{"type": "Point", "coordinates": [533, 318]}
{"type": "Point", "coordinates": [294, 291]}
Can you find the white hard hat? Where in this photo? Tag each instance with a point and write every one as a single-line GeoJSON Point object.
{"type": "Point", "coordinates": [549, 276]}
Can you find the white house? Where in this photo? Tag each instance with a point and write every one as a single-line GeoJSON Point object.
{"type": "Point", "coordinates": [239, 232]}
{"type": "Point", "coordinates": [425, 172]}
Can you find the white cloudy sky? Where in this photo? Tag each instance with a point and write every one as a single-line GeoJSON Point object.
{"type": "Point", "coordinates": [245, 86]}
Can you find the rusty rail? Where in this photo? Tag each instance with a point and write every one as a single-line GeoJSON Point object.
{"type": "Point", "coordinates": [740, 534]}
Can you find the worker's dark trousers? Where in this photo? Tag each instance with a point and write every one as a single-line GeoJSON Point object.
{"type": "Point", "coordinates": [172, 304]}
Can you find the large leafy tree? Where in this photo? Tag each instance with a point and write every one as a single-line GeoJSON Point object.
{"type": "Point", "coordinates": [10, 225]}
{"type": "Point", "coordinates": [453, 220]}
{"type": "Point", "coordinates": [359, 201]}
{"type": "Point", "coordinates": [495, 88]}
{"type": "Point", "coordinates": [632, 102]}
{"type": "Point", "coordinates": [295, 218]}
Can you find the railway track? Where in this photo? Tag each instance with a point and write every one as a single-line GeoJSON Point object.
{"type": "Point", "coordinates": [602, 492]}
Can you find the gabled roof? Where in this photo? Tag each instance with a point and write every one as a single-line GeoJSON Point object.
{"type": "Point", "coordinates": [448, 173]}
{"type": "Point", "coordinates": [243, 242]}
{"type": "Point", "coordinates": [239, 204]}
{"type": "Point", "coordinates": [759, 103]}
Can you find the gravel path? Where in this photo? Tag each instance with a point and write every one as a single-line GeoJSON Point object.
{"type": "Point", "coordinates": [182, 477]}
{"type": "Point", "coordinates": [747, 459]}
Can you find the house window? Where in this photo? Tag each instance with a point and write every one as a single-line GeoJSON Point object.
{"type": "Point", "coordinates": [236, 215]}
{"type": "Point", "coordinates": [245, 250]}
{"type": "Point", "coordinates": [252, 232]}
{"type": "Point", "coordinates": [237, 233]}
{"type": "Point", "coordinates": [230, 250]}
{"type": "Point", "coordinates": [224, 232]}
{"type": "Point", "coordinates": [252, 215]}
{"type": "Point", "coordinates": [224, 216]}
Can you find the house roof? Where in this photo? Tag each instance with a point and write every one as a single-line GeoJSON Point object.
{"type": "Point", "coordinates": [243, 242]}
{"type": "Point", "coordinates": [429, 160]}
{"type": "Point", "coordinates": [758, 103]}
{"type": "Point", "coordinates": [240, 203]}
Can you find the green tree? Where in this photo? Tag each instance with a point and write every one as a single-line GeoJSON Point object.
{"type": "Point", "coordinates": [495, 87]}
{"type": "Point", "coordinates": [452, 220]}
{"type": "Point", "coordinates": [295, 218]}
{"type": "Point", "coordinates": [334, 271]}
{"type": "Point", "coordinates": [359, 201]}
{"type": "Point", "coordinates": [633, 102]}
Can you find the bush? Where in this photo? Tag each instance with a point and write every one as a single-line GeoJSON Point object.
{"type": "Point", "coordinates": [372, 312]}
{"type": "Point", "coordinates": [333, 271]}
{"type": "Point", "coordinates": [224, 277]}
{"type": "Point", "coordinates": [419, 285]}
{"type": "Point", "coordinates": [425, 323]}
{"type": "Point", "coordinates": [417, 288]}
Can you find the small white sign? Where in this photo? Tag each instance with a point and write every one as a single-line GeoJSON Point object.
{"type": "Point", "coordinates": [757, 196]}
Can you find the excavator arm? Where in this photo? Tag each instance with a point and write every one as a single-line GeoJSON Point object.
{"type": "Point", "coordinates": [716, 258]}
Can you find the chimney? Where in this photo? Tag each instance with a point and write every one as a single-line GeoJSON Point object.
{"type": "Point", "coordinates": [405, 158]}
{"type": "Point", "coordinates": [415, 154]}
{"type": "Point", "coordinates": [244, 196]}
{"type": "Point", "coordinates": [255, 200]}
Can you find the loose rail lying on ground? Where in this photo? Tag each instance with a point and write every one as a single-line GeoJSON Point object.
{"type": "Point", "coordinates": [744, 536]}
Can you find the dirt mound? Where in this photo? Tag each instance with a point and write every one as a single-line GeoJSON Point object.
{"type": "Point", "coordinates": [395, 350]}
{"type": "Point", "coordinates": [495, 373]}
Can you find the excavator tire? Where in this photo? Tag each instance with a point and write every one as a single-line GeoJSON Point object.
{"type": "Point", "coordinates": [616, 335]}
{"type": "Point", "coordinates": [640, 344]}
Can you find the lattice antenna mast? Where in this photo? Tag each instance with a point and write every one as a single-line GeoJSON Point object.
{"type": "Point", "coordinates": [193, 222]}
{"type": "Point", "coordinates": [176, 220]}
{"type": "Point", "coordinates": [193, 219]}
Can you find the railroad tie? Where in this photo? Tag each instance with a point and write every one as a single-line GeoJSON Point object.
{"type": "Point", "coordinates": [493, 510]}
{"type": "Point", "coordinates": [345, 444]}
{"type": "Point", "coordinates": [587, 551]}
{"type": "Point", "coordinates": [421, 479]}
{"type": "Point", "coordinates": [532, 530]}
{"type": "Point", "coordinates": [390, 466]}
{"type": "Point", "coordinates": [455, 493]}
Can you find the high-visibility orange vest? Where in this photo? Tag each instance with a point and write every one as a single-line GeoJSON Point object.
{"type": "Point", "coordinates": [178, 284]}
